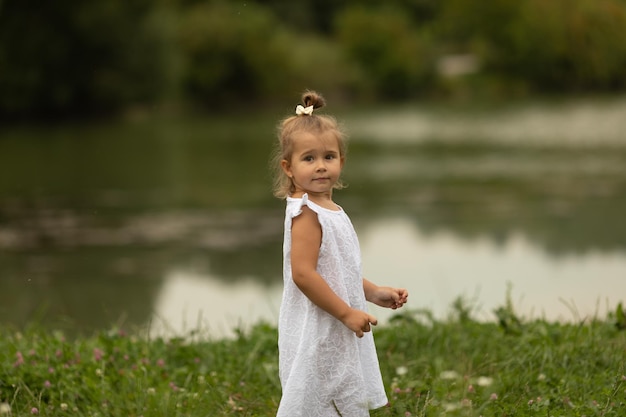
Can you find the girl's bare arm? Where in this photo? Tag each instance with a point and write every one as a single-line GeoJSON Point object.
{"type": "Point", "coordinates": [384, 296]}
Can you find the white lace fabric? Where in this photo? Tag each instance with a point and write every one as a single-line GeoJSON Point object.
{"type": "Point", "coordinates": [325, 369]}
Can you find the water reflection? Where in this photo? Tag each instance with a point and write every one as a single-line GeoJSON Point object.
{"type": "Point", "coordinates": [574, 124]}
{"type": "Point", "coordinates": [189, 301]}
{"type": "Point", "coordinates": [103, 224]}
{"type": "Point", "coordinates": [438, 268]}
{"type": "Point", "coordinates": [435, 268]}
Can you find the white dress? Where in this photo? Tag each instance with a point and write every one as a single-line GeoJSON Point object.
{"type": "Point", "coordinates": [324, 367]}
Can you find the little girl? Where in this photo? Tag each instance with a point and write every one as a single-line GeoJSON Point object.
{"type": "Point", "coordinates": [327, 358]}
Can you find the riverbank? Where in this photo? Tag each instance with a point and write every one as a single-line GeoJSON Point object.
{"type": "Point", "coordinates": [458, 366]}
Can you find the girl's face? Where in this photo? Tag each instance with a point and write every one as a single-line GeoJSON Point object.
{"type": "Point", "coordinates": [315, 164]}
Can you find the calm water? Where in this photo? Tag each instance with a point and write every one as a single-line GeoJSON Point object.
{"type": "Point", "coordinates": [171, 225]}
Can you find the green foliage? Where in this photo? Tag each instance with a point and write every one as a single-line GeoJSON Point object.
{"type": "Point", "coordinates": [69, 57]}
{"type": "Point", "coordinates": [395, 58]}
{"type": "Point", "coordinates": [241, 52]}
{"type": "Point", "coordinates": [306, 15]}
{"type": "Point", "coordinates": [620, 317]}
{"type": "Point", "coordinates": [469, 23]}
{"type": "Point", "coordinates": [226, 46]}
{"type": "Point", "coordinates": [112, 374]}
{"type": "Point", "coordinates": [563, 46]}
{"type": "Point", "coordinates": [560, 45]}
{"type": "Point", "coordinates": [64, 57]}
{"type": "Point", "coordinates": [469, 368]}
{"type": "Point", "coordinates": [457, 367]}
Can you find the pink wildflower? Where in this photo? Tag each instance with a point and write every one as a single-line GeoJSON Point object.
{"type": "Point", "coordinates": [470, 389]}
{"type": "Point", "coordinates": [34, 410]}
{"type": "Point", "coordinates": [493, 396]}
{"type": "Point", "coordinates": [47, 384]}
{"type": "Point", "coordinates": [20, 359]}
{"type": "Point", "coordinates": [97, 354]}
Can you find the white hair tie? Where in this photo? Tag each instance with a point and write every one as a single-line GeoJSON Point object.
{"type": "Point", "coordinates": [304, 110]}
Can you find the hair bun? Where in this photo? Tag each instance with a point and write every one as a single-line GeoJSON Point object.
{"type": "Point", "coordinates": [312, 98]}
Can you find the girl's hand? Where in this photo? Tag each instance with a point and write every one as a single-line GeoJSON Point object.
{"type": "Point", "coordinates": [358, 321]}
{"type": "Point", "coordinates": [388, 297]}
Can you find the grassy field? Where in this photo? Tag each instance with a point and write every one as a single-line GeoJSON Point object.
{"type": "Point", "coordinates": [452, 367]}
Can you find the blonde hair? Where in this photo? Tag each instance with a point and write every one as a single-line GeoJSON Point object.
{"type": "Point", "coordinates": [313, 123]}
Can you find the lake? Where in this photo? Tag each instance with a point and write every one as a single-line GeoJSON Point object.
{"type": "Point", "coordinates": [169, 224]}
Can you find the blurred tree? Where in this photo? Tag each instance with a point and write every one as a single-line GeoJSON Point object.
{"type": "Point", "coordinates": [240, 52]}
{"type": "Point", "coordinates": [395, 58]}
{"type": "Point", "coordinates": [318, 16]}
{"type": "Point", "coordinates": [560, 45]}
{"type": "Point", "coordinates": [72, 57]}
{"type": "Point", "coordinates": [232, 51]}
{"type": "Point", "coordinates": [305, 15]}
{"type": "Point", "coordinates": [76, 57]}
{"type": "Point", "coordinates": [574, 45]}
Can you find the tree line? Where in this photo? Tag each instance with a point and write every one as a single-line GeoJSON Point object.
{"type": "Point", "coordinates": [78, 57]}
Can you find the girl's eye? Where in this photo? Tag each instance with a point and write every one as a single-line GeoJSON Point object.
{"type": "Point", "coordinates": [330, 156]}
{"type": "Point", "coordinates": [308, 158]}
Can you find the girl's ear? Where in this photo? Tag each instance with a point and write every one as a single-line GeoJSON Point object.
{"type": "Point", "coordinates": [286, 166]}
{"type": "Point", "coordinates": [342, 160]}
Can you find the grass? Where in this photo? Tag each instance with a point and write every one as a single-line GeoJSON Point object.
{"type": "Point", "coordinates": [453, 367]}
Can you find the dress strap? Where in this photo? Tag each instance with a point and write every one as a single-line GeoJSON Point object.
{"type": "Point", "coordinates": [301, 202]}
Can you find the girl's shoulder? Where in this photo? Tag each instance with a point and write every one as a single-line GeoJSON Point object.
{"type": "Point", "coordinates": [297, 203]}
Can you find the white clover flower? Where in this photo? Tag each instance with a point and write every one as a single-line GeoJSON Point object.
{"type": "Point", "coordinates": [151, 391]}
{"type": "Point", "coordinates": [5, 408]}
{"type": "Point", "coordinates": [450, 406]}
{"type": "Point", "coordinates": [402, 370]}
{"type": "Point", "coordinates": [394, 383]}
{"type": "Point", "coordinates": [63, 406]}
{"type": "Point", "coordinates": [541, 377]}
{"type": "Point", "coordinates": [449, 375]}
{"type": "Point", "coordinates": [484, 381]}
{"type": "Point", "coordinates": [98, 372]}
